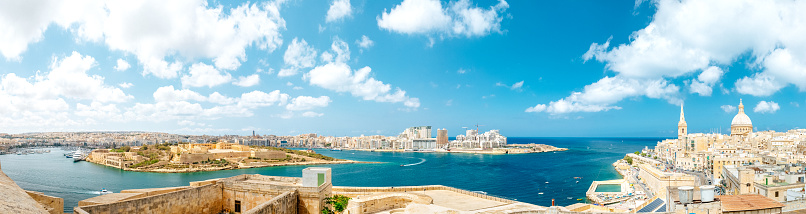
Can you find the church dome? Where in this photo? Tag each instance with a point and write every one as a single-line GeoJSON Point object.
{"type": "Point", "coordinates": [741, 119]}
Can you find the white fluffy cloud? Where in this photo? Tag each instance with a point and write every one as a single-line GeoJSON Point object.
{"type": "Point", "coordinates": [262, 99]}
{"type": "Point", "coordinates": [339, 9]}
{"type": "Point", "coordinates": [766, 107]}
{"type": "Point", "coordinates": [312, 114]}
{"type": "Point", "coordinates": [337, 76]}
{"type": "Point", "coordinates": [247, 81]}
{"type": "Point", "coordinates": [122, 65]}
{"type": "Point", "coordinates": [690, 36]}
{"type": "Point", "coordinates": [205, 75]}
{"type": "Point", "coordinates": [154, 31]}
{"type": "Point", "coordinates": [125, 85]}
{"type": "Point", "coordinates": [601, 96]}
{"type": "Point", "coordinates": [299, 55]}
{"type": "Point", "coordinates": [43, 100]}
{"type": "Point", "coordinates": [340, 77]}
{"type": "Point", "coordinates": [704, 83]}
{"type": "Point", "coordinates": [307, 103]}
{"type": "Point", "coordinates": [728, 108]}
{"type": "Point", "coordinates": [364, 42]}
{"type": "Point", "coordinates": [458, 18]}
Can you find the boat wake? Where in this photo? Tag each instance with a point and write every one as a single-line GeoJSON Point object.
{"type": "Point", "coordinates": [422, 160]}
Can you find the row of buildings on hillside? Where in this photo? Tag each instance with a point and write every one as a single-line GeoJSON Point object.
{"type": "Point", "coordinates": [746, 161]}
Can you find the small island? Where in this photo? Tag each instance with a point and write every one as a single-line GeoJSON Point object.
{"type": "Point", "coordinates": [177, 158]}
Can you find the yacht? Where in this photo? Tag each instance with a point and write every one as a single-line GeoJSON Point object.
{"type": "Point", "coordinates": [78, 156]}
{"type": "Point", "coordinates": [104, 191]}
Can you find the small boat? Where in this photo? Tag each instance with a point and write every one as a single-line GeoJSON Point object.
{"type": "Point", "coordinates": [480, 192]}
{"type": "Point", "coordinates": [579, 199]}
{"type": "Point", "coordinates": [547, 182]}
{"type": "Point", "coordinates": [569, 198]}
{"type": "Point", "coordinates": [539, 193]}
{"type": "Point", "coordinates": [577, 181]}
{"type": "Point", "coordinates": [104, 191]}
{"type": "Point", "coordinates": [335, 149]}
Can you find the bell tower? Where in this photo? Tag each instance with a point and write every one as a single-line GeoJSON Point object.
{"type": "Point", "coordinates": [682, 126]}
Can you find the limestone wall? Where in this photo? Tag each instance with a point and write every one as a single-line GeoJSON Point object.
{"type": "Point", "coordinates": [14, 200]}
{"type": "Point", "coordinates": [285, 203]}
{"type": "Point", "coordinates": [192, 158]}
{"type": "Point", "coordinates": [52, 204]}
{"type": "Point", "coordinates": [204, 199]}
{"type": "Point", "coordinates": [348, 191]}
{"type": "Point", "coordinates": [269, 154]}
{"type": "Point", "coordinates": [385, 201]}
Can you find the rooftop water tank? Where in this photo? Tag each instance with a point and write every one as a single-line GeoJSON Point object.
{"type": "Point", "coordinates": [686, 194]}
{"type": "Point", "coordinates": [707, 193]}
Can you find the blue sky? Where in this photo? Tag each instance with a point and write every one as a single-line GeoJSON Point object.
{"type": "Point", "coordinates": [352, 67]}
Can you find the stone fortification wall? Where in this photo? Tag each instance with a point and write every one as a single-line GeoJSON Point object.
{"type": "Point", "coordinates": [355, 191]}
{"type": "Point", "coordinates": [14, 200]}
{"type": "Point", "coordinates": [260, 189]}
{"type": "Point", "coordinates": [385, 201]}
{"type": "Point", "coordinates": [204, 199]}
{"type": "Point", "coordinates": [285, 203]}
{"type": "Point", "coordinates": [52, 204]}
{"type": "Point", "coordinates": [269, 154]}
{"type": "Point", "coordinates": [192, 158]}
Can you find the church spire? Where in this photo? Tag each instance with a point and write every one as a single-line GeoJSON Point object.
{"type": "Point", "coordinates": [682, 116]}
{"type": "Point", "coordinates": [741, 106]}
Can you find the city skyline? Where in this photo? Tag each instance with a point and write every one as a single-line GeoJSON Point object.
{"type": "Point", "coordinates": [347, 68]}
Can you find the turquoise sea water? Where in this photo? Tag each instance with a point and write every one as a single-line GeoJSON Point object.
{"type": "Point", "coordinates": [517, 176]}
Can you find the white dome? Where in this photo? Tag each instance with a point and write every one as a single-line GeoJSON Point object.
{"type": "Point", "coordinates": [741, 119]}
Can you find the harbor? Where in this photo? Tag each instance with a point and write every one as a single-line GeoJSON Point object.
{"type": "Point", "coordinates": [81, 180]}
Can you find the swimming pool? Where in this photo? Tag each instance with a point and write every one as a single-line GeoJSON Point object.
{"type": "Point", "coordinates": [608, 188]}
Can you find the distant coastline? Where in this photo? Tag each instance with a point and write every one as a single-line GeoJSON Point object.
{"type": "Point", "coordinates": [510, 149]}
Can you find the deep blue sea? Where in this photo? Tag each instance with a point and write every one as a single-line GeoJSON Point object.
{"type": "Point", "coordinates": [515, 176]}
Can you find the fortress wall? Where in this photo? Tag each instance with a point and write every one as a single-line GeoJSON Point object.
{"type": "Point", "coordinates": [369, 190]}
{"type": "Point", "coordinates": [15, 200]}
{"type": "Point", "coordinates": [204, 199]}
{"type": "Point", "coordinates": [269, 154]}
{"type": "Point", "coordinates": [192, 158]}
{"type": "Point", "coordinates": [386, 201]}
{"type": "Point", "coordinates": [52, 204]}
{"type": "Point", "coordinates": [285, 203]}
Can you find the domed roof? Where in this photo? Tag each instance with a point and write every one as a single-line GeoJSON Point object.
{"type": "Point", "coordinates": [741, 119]}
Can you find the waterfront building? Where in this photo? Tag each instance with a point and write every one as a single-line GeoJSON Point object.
{"type": "Point", "coordinates": [473, 140]}
{"type": "Point", "coordinates": [442, 138]}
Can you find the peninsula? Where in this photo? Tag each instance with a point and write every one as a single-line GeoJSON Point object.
{"type": "Point", "coordinates": [177, 158]}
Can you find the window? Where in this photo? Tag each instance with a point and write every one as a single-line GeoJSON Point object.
{"type": "Point", "coordinates": [237, 206]}
{"type": "Point", "coordinates": [776, 194]}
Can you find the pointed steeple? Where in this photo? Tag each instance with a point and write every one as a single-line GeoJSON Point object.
{"type": "Point", "coordinates": [741, 106]}
{"type": "Point", "coordinates": [682, 117]}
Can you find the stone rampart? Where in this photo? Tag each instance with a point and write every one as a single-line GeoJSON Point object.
{"type": "Point", "coordinates": [14, 200]}
{"type": "Point", "coordinates": [192, 158]}
{"type": "Point", "coordinates": [285, 203]}
{"type": "Point", "coordinates": [52, 204]}
{"type": "Point", "coordinates": [204, 199]}
{"type": "Point", "coordinates": [369, 190]}
{"type": "Point", "coordinates": [385, 201]}
{"type": "Point", "coordinates": [269, 154]}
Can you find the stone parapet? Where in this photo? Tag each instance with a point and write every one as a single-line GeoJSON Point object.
{"type": "Point", "coordinates": [285, 203]}
{"type": "Point", "coordinates": [353, 190]}
{"type": "Point", "coordinates": [53, 205]}
{"type": "Point", "coordinates": [385, 201]}
{"type": "Point", "coordinates": [204, 199]}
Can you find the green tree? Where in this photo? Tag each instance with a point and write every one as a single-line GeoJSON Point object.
{"type": "Point", "coordinates": [628, 159]}
{"type": "Point", "coordinates": [338, 202]}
